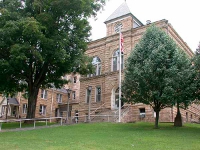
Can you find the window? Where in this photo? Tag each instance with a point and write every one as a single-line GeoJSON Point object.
{"type": "Point", "coordinates": [98, 94]}
{"type": "Point", "coordinates": [186, 114]}
{"type": "Point", "coordinates": [115, 61]}
{"type": "Point", "coordinates": [87, 96]}
{"type": "Point", "coordinates": [59, 98]}
{"type": "Point", "coordinates": [75, 79]}
{"type": "Point", "coordinates": [142, 112]}
{"type": "Point", "coordinates": [135, 25]}
{"type": "Point", "coordinates": [61, 114]}
{"type": "Point", "coordinates": [74, 94]}
{"type": "Point", "coordinates": [42, 110]}
{"type": "Point", "coordinates": [68, 94]}
{"type": "Point", "coordinates": [24, 110]}
{"type": "Point", "coordinates": [3, 110]}
{"type": "Point", "coordinates": [96, 62]}
{"type": "Point", "coordinates": [116, 99]}
{"type": "Point", "coordinates": [44, 94]}
{"type": "Point", "coordinates": [57, 112]}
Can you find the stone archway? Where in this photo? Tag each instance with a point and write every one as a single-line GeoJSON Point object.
{"type": "Point", "coordinates": [115, 98]}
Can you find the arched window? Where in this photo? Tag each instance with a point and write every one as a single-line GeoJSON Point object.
{"type": "Point", "coordinates": [116, 99]}
{"type": "Point", "coordinates": [97, 65]}
{"type": "Point", "coordinates": [96, 62]}
{"type": "Point", "coordinates": [115, 61]}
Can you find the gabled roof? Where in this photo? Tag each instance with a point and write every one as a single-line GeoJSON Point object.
{"type": "Point", "coordinates": [13, 101]}
{"type": "Point", "coordinates": [122, 10]}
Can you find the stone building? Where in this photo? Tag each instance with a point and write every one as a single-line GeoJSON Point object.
{"type": "Point", "coordinates": [103, 98]}
{"type": "Point", "coordinates": [50, 102]}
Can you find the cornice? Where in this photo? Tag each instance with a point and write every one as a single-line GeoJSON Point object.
{"type": "Point", "coordinates": [100, 76]}
{"type": "Point", "coordinates": [180, 40]}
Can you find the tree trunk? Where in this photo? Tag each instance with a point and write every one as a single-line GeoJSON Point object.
{"type": "Point", "coordinates": [156, 119]}
{"type": "Point", "coordinates": [32, 101]}
{"type": "Point", "coordinates": [178, 118]}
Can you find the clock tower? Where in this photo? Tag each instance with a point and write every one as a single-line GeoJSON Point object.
{"type": "Point", "coordinates": [122, 19]}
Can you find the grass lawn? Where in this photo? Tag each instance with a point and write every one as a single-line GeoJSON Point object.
{"type": "Point", "coordinates": [105, 136]}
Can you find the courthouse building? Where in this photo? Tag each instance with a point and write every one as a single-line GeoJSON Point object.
{"type": "Point", "coordinates": [103, 98]}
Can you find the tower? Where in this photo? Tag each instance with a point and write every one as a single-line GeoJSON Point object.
{"type": "Point", "coordinates": [121, 17]}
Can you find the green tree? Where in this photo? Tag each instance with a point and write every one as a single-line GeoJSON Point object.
{"type": "Point", "coordinates": [196, 63]}
{"type": "Point", "coordinates": [184, 84]}
{"type": "Point", "coordinates": [42, 40]}
{"type": "Point", "coordinates": [150, 71]}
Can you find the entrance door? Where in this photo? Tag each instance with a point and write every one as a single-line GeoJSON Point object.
{"type": "Point", "coordinates": [57, 112]}
{"type": "Point", "coordinates": [116, 99]}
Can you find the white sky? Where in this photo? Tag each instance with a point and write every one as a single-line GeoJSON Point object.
{"type": "Point", "coordinates": [183, 15]}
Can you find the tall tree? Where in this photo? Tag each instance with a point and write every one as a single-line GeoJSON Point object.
{"type": "Point", "coordinates": [150, 71]}
{"type": "Point", "coordinates": [184, 84]}
{"type": "Point", "coordinates": [196, 63]}
{"type": "Point", "coordinates": [42, 40]}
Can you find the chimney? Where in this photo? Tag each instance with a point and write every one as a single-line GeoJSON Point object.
{"type": "Point", "coordinates": [148, 22]}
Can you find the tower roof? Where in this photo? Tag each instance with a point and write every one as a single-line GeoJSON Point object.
{"type": "Point", "coordinates": [121, 11]}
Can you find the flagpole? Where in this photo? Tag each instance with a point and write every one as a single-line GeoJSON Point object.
{"type": "Point", "coordinates": [120, 74]}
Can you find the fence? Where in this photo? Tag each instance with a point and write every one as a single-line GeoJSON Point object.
{"type": "Point", "coordinates": [94, 118]}
{"type": "Point", "coordinates": [34, 121]}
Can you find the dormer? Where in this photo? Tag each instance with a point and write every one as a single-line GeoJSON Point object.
{"type": "Point", "coordinates": [121, 17]}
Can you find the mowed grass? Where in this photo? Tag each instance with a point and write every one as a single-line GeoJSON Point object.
{"type": "Point", "coordinates": [105, 136]}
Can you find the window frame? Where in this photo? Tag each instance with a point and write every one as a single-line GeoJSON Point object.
{"type": "Point", "coordinates": [59, 98]}
{"type": "Point", "coordinates": [97, 95]}
{"type": "Point", "coordinates": [44, 94]}
{"type": "Point", "coordinates": [73, 94]}
{"type": "Point", "coordinates": [96, 62]}
{"type": "Point", "coordinates": [75, 79]}
{"type": "Point", "coordinates": [87, 96]}
{"type": "Point", "coordinates": [142, 112]}
{"type": "Point", "coordinates": [3, 109]}
{"type": "Point", "coordinates": [116, 56]}
{"type": "Point", "coordinates": [24, 109]}
{"type": "Point", "coordinates": [42, 110]}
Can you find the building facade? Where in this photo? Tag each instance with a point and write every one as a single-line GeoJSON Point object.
{"type": "Point", "coordinates": [103, 97]}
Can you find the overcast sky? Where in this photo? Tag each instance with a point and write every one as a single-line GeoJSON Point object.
{"type": "Point", "coordinates": [183, 15]}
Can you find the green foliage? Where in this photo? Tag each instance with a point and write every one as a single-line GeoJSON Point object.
{"type": "Point", "coordinates": [150, 69]}
{"type": "Point", "coordinates": [157, 73]}
{"type": "Point", "coordinates": [42, 40]}
{"type": "Point", "coordinates": [184, 83]}
{"type": "Point", "coordinates": [196, 63]}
